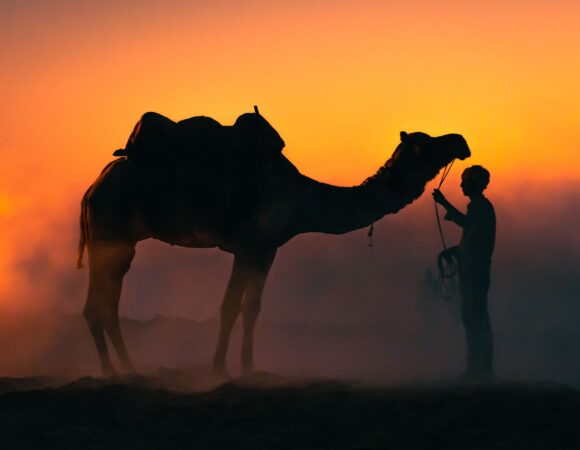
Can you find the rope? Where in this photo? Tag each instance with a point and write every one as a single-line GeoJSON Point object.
{"type": "Point", "coordinates": [446, 172]}
{"type": "Point", "coordinates": [370, 234]}
{"type": "Point", "coordinates": [447, 270]}
{"type": "Point", "coordinates": [447, 267]}
{"type": "Point", "coordinates": [440, 227]}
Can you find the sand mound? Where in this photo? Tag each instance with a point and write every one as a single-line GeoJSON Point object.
{"type": "Point", "coordinates": [165, 410]}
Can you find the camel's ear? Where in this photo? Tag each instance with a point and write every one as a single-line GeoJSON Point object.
{"type": "Point", "coordinates": [256, 109]}
{"type": "Point", "coordinates": [404, 136]}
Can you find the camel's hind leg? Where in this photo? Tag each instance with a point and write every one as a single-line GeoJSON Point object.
{"type": "Point", "coordinates": [108, 264]}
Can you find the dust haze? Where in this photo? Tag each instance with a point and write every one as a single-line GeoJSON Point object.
{"type": "Point", "coordinates": [332, 307]}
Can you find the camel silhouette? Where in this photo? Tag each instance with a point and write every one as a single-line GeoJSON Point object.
{"type": "Point", "coordinates": [244, 202]}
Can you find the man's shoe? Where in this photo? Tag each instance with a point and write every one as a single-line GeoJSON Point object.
{"type": "Point", "coordinates": [477, 376]}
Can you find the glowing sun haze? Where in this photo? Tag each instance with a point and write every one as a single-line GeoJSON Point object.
{"type": "Point", "coordinates": [338, 79]}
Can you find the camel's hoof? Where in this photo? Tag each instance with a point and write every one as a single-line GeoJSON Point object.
{"type": "Point", "coordinates": [130, 369]}
{"type": "Point", "coordinates": [108, 371]}
{"type": "Point", "coordinates": [248, 371]}
{"type": "Point", "coordinates": [220, 372]}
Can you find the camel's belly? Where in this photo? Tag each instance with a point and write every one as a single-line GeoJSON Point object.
{"type": "Point", "coordinates": [197, 239]}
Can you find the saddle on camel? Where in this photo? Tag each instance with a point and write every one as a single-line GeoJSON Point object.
{"type": "Point", "coordinates": [157, 139]}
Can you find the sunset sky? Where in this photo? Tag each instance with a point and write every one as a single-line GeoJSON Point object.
{"type": "Point", "coordinates": [338, 79]}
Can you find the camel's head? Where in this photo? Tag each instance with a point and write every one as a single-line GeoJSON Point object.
{"type": "Point", "coordinates": [417, 159]}
{"type": "Point", "coordinates": [256, 133]}
{"type": "Point", "coordinates": [427, 154]}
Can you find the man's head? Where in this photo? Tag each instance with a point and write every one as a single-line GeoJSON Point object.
{"type": "Point", "coordinates": [474, 180]}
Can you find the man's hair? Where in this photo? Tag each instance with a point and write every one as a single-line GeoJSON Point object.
{"type": "Point", "coordinates": [479, 175]}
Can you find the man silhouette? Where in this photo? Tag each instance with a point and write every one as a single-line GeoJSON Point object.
{"type": "Point", "coordinates": [474, 262]}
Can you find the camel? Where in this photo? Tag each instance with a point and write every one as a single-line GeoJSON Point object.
{"type": "Point", "coordinates": [249, 207]}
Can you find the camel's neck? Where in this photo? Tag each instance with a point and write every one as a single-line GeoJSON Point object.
{"type": "Point", "coordinates": [331, 209]}
{"type": "Point", "coordinates": [336, 210]}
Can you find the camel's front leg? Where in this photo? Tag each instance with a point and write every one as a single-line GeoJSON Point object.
{"type": "Point", "coordinates": [258, 272]}
{"type": "Point", "coordinates": [229, 312]}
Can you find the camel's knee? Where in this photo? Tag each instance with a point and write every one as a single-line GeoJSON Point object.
{"type": "Point", "coordinates": [93, 318]}
{"type": "Point", "coordinates": [98, 313]}
{"type": "Point", "coordinates": [251, 311]}
{"type": "Point", "coordinates": [90, 313]}
{"type": "Point", "coordinates": [230, 310]}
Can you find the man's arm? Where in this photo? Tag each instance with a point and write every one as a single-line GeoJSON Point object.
{"type": "Point", "coordinates": [453, 214]}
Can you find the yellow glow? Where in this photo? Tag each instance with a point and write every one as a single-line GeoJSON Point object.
{"type": "Point", "coordinates": [339, 80]}
{"type": "Point", "coordinates": [4, 206]}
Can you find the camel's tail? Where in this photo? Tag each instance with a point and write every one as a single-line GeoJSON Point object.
{"type": "Point", "coordinates": [84, 232]}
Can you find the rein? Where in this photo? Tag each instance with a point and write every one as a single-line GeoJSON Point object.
{"type": "Point", "coordinates": [446, 171]}
{"type": "Point", "coordinates": [445, 262]}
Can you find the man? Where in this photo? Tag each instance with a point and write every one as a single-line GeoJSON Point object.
{"type": "Point", "coordinates": [474, 262]}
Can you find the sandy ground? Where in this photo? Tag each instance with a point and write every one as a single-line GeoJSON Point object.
{"type": "Point", "coordinates": [190, 409]}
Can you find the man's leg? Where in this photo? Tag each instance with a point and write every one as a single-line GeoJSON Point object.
{"type": "Point", "coordinates": [478, 333]}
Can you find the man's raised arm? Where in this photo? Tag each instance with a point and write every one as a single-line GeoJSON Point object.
{"type": "Point", "coordinates": [453, 214]}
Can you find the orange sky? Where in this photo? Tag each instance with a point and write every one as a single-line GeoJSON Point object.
{"type": "Point", "coordinates": [338, 79]}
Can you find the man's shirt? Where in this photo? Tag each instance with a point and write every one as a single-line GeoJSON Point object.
{"type": "Point", "coordinates": [478, 238]}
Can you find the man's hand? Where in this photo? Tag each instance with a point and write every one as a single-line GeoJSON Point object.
{"type": "Point", "coordinates": [449, 253]}
{"type": "Point", "coordinates": [439, 197]}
